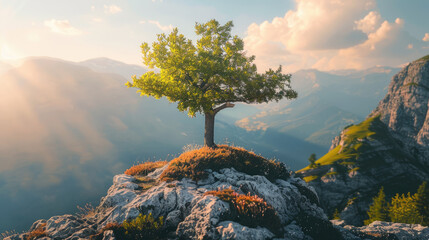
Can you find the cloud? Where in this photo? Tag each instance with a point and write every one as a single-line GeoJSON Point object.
{"type": "Point", "coordinates": [369, 23]}
{"type": "Point", "coordinates": [164, 28]}
{"type": "Point", "coordinates": [62, 27]}
{"type": "Point", "coordinates": [331, 34]}
{"type": "Point", "coordinates": [112, 9]}
{"type": "Point", "coordinates": [426, 37]}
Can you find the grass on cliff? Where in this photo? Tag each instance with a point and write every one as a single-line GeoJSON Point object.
{"type": "Point", "coordinates": [193, 164]}
{"type": "Point", "coordinates": [145, 226]}
{"type": "Point", "coordinates": [37, 233]}
{"type": "Point", "coordinates": [251, 211]}
{"type": "Point", "coordinates": [425, 58]}
{"type": "Point", "coordinates": [145, 168]}
{"type": "Point", "coordinates": [349, 152]}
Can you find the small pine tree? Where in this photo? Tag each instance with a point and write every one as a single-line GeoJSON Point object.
{"type": "Point", "coordinates": [422, 203]}
{"type": "Point", "coordinates": [379, 209]}
{"type": "Point", "coordinates": [336, 215]}
{"type": "Point", "coordinates": [312, 160]}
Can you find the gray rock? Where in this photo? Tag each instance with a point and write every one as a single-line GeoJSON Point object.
{"type": "Point", "coordinates": [231, 230]}
{"type": "Point", "coordinates": [108, 235]}
{"type": "Point", "coordinates": [385, 230]}
{"type": "Point", "coordinates": [190, 213]}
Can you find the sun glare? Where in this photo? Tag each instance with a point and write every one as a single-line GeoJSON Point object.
{"type": "Point", "coordinates": [7, 53]}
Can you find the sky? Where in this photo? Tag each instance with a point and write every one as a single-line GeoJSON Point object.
{"type": "Point", "coordinates": [298, 34]}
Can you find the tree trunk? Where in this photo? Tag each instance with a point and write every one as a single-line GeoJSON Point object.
{"type": "Point", "coordinates": [209, 130]}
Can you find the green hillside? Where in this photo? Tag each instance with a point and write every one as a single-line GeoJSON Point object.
{"type": "Point", "coordinates": [357, 140]}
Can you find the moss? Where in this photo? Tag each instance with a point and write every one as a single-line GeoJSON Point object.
{"type": "Point", "coordinates": [193, 164]}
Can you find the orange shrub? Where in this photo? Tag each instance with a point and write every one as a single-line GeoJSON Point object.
{"type": "Point", "coordinates": [249, 210]}
{"type": "Point", "coordinates": [193, 164]}
{"type": "Point", "coordinates": [145, 168]}
{"type": "Point", "coordinates": [37, 233]}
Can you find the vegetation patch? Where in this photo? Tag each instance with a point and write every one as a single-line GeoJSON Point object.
{"type": "Point", "coordinates": [145, 182]}
{"type": "Point", "coordinates": [404, 208]}
{"type": "Point", "coordinates": [425, 58]}
{"type": "Point", "coordinates": [37, 233]}
{"type": "Point", "coordinates": [145, 168]}
{"type": "Point", "coordinates": [193, 164]}
{"type": "Point", "coordinates": [140, 228]}
{"type": "Point", "coordinates": [354, 144]}
{"type": "Point", "coordinates": [249, 210]}
{"type": "Point", "coordinates": [310, 178]}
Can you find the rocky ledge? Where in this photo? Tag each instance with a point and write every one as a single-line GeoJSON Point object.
{"type": "Point", "coordinates": [190, 214]}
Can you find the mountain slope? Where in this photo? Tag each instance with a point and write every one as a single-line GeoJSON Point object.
{"type": "Point", "coordinates": [388, 149]}
{"type": "Point", "coordinates": [106, 65]}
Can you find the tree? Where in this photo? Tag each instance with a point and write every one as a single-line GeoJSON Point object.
{"type": "Point", "coordinates": [422, 203]}
{"type": "Point", "coordinates": [403, 209]}
{"type": "Point", "coordinates": [379, 209]}
{"type": "Point", "coordinates": [312, 160]}
{"type": "Point", "coordinates": [336, 215]}
{"type": "Point", "coordinates": [209, 76]}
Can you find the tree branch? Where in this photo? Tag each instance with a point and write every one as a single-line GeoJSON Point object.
{"type": "Point", "coordinates": [223, 106]}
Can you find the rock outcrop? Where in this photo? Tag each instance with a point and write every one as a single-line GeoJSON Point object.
{"type": "Point", "coordinates": [405, 109]}
{"type": "Point", "coordinates": [389, 149]}
{"type": "Point", "coordinates": [191, 213]}
{"type": "Point", "coordinates": [188, 212]}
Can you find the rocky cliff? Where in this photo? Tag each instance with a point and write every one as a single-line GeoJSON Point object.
{"type": "Point", "coordinates": [191, 210]}
{"type": "Point", "coordinates": [389, 149]}
{"type": "Point", "coordinates": [405, 109]}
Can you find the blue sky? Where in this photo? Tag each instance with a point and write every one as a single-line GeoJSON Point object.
{"type": "Point", "coordinates": [322, 34]}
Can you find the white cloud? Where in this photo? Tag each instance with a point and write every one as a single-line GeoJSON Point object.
{"type": "Point", "coordinates": [112, 9]}
{"type": "Point", "coordinates": [369, 23]}
{"type": "Point", "coordinates": [426, 37]}
{"type": "Point", "coordinates": [62, 27]}
{"type": "Point", "coordinates": [330, 34]}
{"type": "Point", "coordinates": [164, 28]}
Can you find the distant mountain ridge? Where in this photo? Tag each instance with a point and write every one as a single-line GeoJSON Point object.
{"type": "Point", "coordinates": [107, 65]}
{"type": "Point", "coordinates": [389, 149]}
{"type": "Point", "coordinates": [327, 102]}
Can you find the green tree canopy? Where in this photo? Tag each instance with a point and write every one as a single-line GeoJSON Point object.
{"type": "Point", "coordinates": [208, 76]}
{"type": "Point", "coordinates": [422, 202]}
